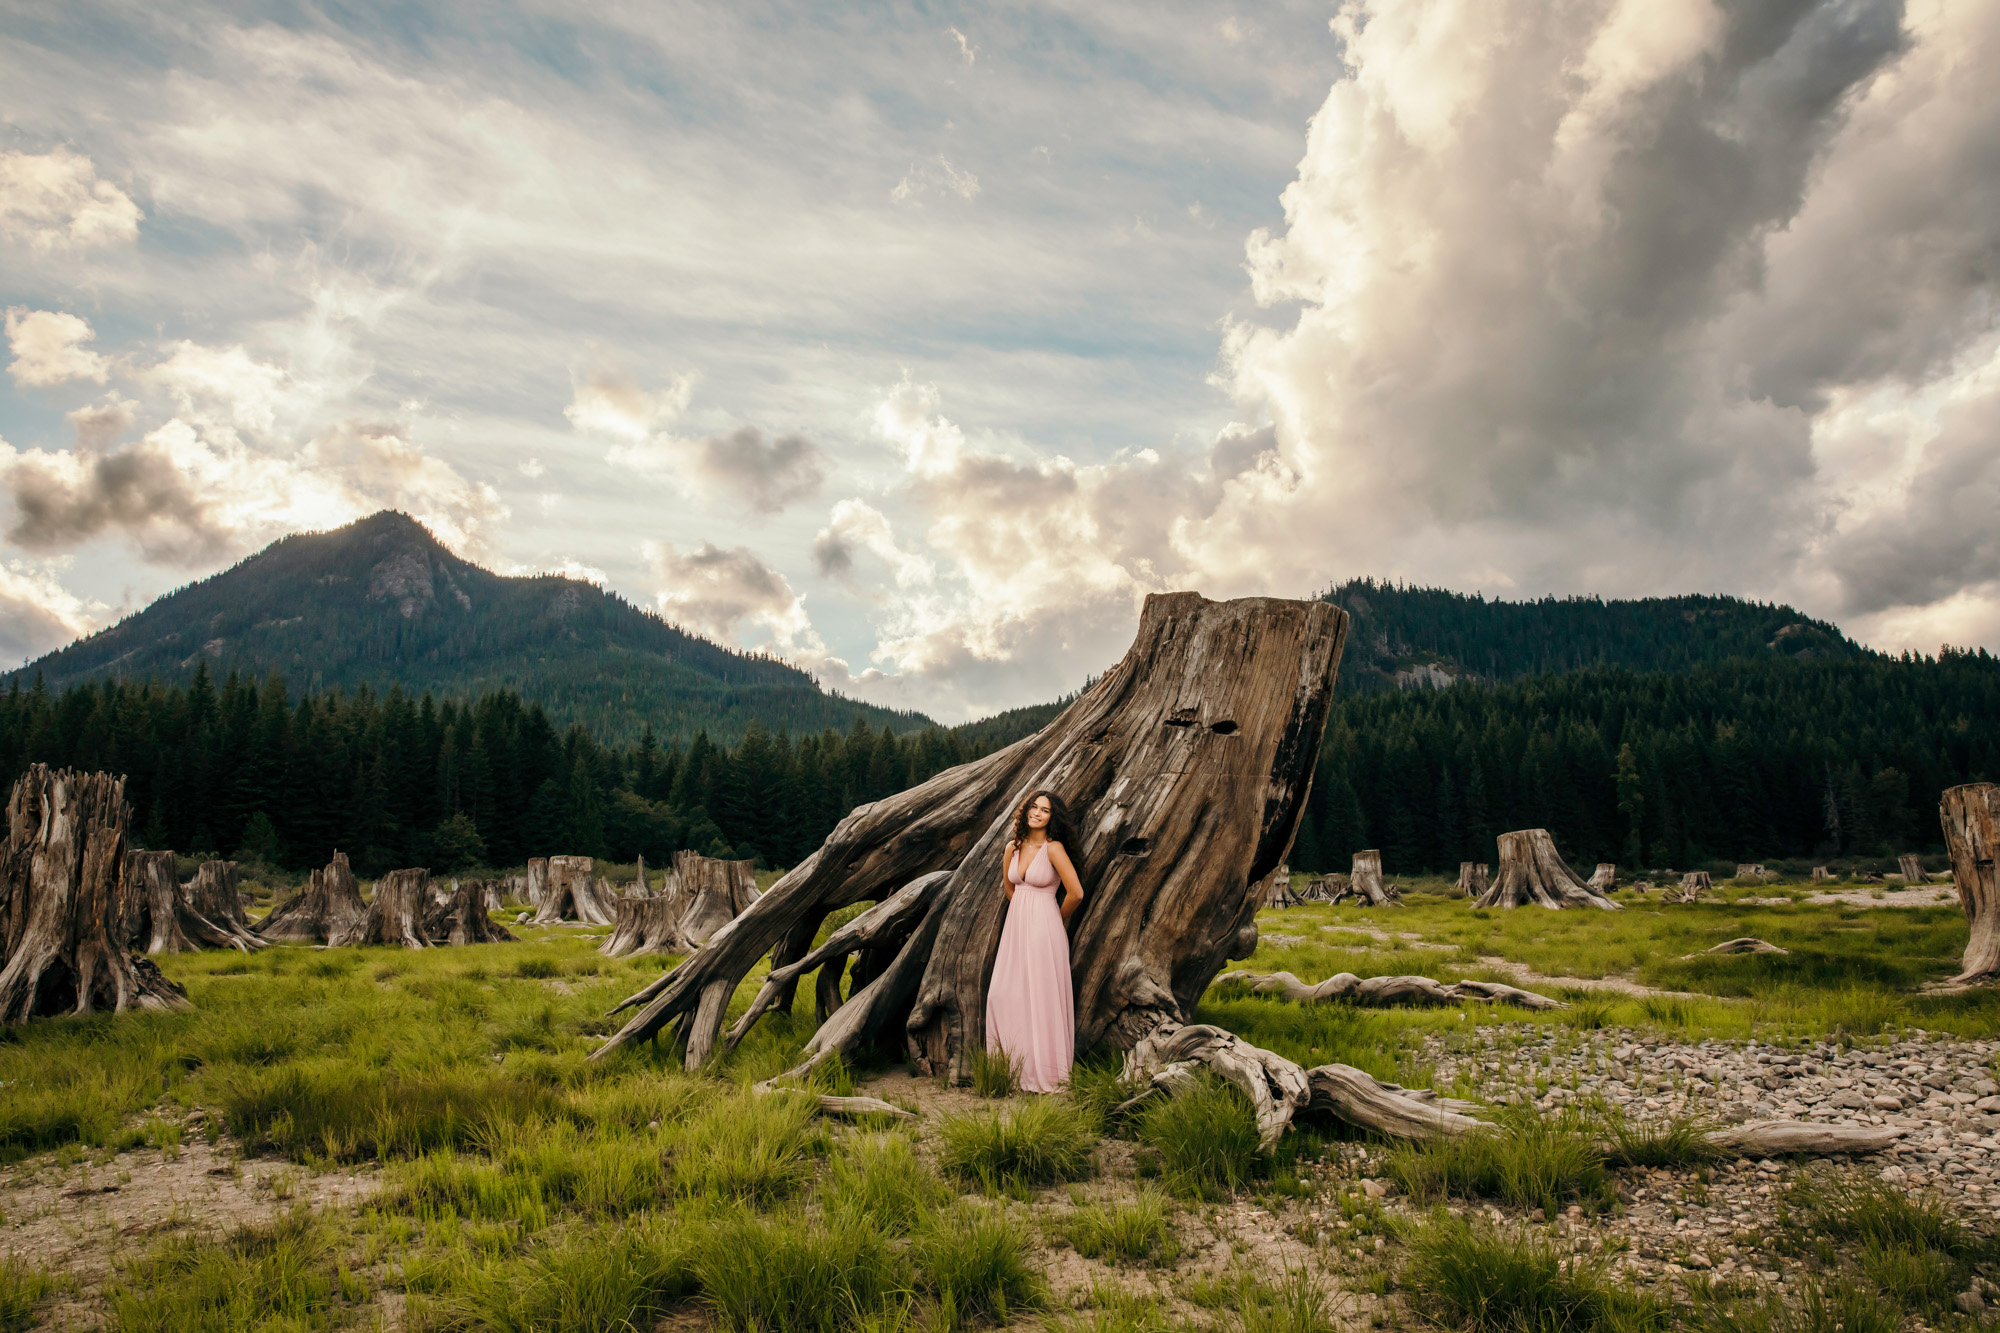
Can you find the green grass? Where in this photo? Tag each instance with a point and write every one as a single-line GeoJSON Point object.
{"type": "Point", "coordinates": [23, 1287]}
{"type": "Point", "coordinates": [1530, 1161]}
{"type": "Point", "coordinates": [1140, 1230]}
{"type": "Point", "coordinates": [1912, 1247]}
{"type": "Point", "coordinates": [994, 1073]}
{"type": "Point", "coordinates": [1042, 1141]}
{"type": "Point", "coordinates": [1206, 1138]}
{"type": "Point", "coordinates": [283, 1275]}
{"type": "Point", "coordinates": [1487, 1281]}
{"type": "Point", "coordinates": [880, 1177]}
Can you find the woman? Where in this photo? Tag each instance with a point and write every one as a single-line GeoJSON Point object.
{"type": "Point", "coordinates": [1030, 1010]}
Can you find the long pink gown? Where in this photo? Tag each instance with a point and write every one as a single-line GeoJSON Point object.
{"type": "Point", "coordinates": [1030, 1009]}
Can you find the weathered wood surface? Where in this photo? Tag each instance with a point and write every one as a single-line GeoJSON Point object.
{"type": "Point", "coordinates": [1532, 872]}
{"type": "Point", "coordinates": [328, 910]}
{"type": "Point", "coordinates": [396, 916]}
{"type": "Point", "coordinates": [1912, 867]}
{"type": "Point", "coordinates": [66, 910]}
{"type": "Point", "coordinates": [1821, 875]}
{"type": "Point", "coordinates": [461, 918]}
{"type": "Point", "coordinates": [1970, 816]}
{"type": "Point", "coordinates": [1472, 878]}
{"type": "Point", "coordinates": [538, 880]}
{"type": "Point", "coordinates": [1365, 881]}
{"type": "Point", "coordinates": [1742, 944]}
{"type": "Point", "coordinates": [1603, 879]}
{"type": "Point", "coordinates": [167, 916]}
{"type": "Point", "coordinates": [572, 892]}
{"type": "Point", "coordinates": [1387, 992]}
{"type": "Point", "coordinates": [1187, 765]}
{"type": "Point", "coordinates": [712, 892]}
{"type": "Point", "coordinates": [215, 897]}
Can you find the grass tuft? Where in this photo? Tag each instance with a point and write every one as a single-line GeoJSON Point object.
{"type": "Point", "coordinates": [1141, 1231]}
{"type": "Point", "coordinates": [1039, 1142]}
{"type": "Point", "coordinates": [995, 1073]}
{"type": "Point", "coordinates": [1488, 1282]}
{"type": "Point", "coordinates": [22, 1288]}
{"type": "Point", "coordinates": [1206, 1136]}
{"type": "Point", "coordinates": [1529, 1160]}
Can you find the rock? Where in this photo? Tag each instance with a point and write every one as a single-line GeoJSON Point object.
{"type": "Point", "coordinates": [521, 920]}
{"type": "Point", "coordinates": [1885, 1102]}
{"type": "Point", "coordinates": [1970, 1302]}
{"type": "Point", "coordinates": [1378, 1189]}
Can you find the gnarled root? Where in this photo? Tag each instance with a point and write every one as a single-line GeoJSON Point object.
{"type": "Point", "coordinates": [1386, 992]}
{"type": "Point", "coordinates": [1165, 1062]}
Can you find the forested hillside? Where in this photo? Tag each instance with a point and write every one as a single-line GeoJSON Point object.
{"type": "Point", "coordinates": [381, 603]}
{"type": "Point", "coordinates": [396, 780]}
{"type": "Point", "coordinates": [1429, 636]}
{"type": "Point", "coordinates": [1746, 759]}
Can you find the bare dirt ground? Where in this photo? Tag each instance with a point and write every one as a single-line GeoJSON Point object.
{"type": "Point", "coordinates": [79, 1215]}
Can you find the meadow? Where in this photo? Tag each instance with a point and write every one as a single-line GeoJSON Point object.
{"type": "Point", "coordinates": [416, 1140]}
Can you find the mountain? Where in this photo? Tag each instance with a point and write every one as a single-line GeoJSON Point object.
{"type": "Point", "coordinates": [1403, 637]}
{"type": "Point", "coordinates": [381, 602]}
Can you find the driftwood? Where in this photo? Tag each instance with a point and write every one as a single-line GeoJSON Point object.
{"type": "Point", "coordinates": [1531, 871]}
{"type": "Point", "coordinates": [461, 918]}
{"type": "Point", "coordinates": [328, 910]}
{"type": "Point", "coordinates": [1970, 816]}
{"type": "Point", "coordinates": [572, 893]}
{"type": "Point", "coordinates": [1603, 879]}
{"type": "Point", "coordinates": [1913, 868]}
{"type": "Point", "coordinates": [1692, 886]}
{"type": "Point", "coordinates": [1186, 765]}
{"type": "Point", "coordinates": [67, 912]}
{"type": "Point", "coordinates": [396, 916]}
{"type": "Point", "coordinates": [1387, 992]}
{"type": "Point", "coordinates": [1742, 944]}
{"type": "Point", "coordinates": [1472, 878]}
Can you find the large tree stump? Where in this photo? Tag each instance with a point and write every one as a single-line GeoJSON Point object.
{"type": "Point", "coordinates": [1472, 878]}
{"type": "Point", "coordinates": [402, 897]}
{"type": "Point", "coordinates": [1971, 819]}
{"type": "Point", "coordinates": [1531, 871]}
{"type": "Point", "coordinates": [461, 918]}
{"type": "Point", "coordinates": [1913, 868]}
{"type": "Point", "coordinates": [327, 911]}
{"type": "Point", "coordinates": [1366, 880]}
{"type": "Point", "coordinates": [1693, 885]}
{"type": "Point", "coordinates": [66, 912]}
{"type": "Point", "coordinates": [538, 880]}
{"type": "Point", "coordinates": [170, 917]}
{"type": "Point", "coordinates": [573, 893]}
{"type": "Point", "coordinates": [713, 893]}
{"type": "Point", "coordinates": [643, 925]}
{"type": "Point", "coordinates": [1603, 879]}
{"type": "Point", "coordinates": [1187, 765]}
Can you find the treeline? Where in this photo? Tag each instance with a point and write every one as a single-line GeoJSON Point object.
{"type": "Point", "coordinates": [399, 781]}
{"type": "Point", "coordinates": [1741, 760]}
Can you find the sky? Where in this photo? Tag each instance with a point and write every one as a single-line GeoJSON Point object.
{"type": "Point", "coordinates": [918, 343]}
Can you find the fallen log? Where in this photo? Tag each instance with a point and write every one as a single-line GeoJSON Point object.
{"type": "Point", "coordinates": [66, 910]}
{"type": "Point", "coordinates": [571, 892]}
{"type": "Point", "coordinates": [1187, 765]}
{"type": "Point", "coordinates": [328, 910]}
{"type": "Point", "coordinates": [1532, 871]}
{"type": "Point", "coordinates": [1387, 992]}
{"type": "Point", "coordinates": [1743, 944]}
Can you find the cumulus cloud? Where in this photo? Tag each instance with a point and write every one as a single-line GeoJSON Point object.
{"type": "Point", "coordinates": [55, 200]}
{"type": "Point", "coordinates": [37, 613]}
{"type": "Point", "coordinates": [720, 592]}
{"type": "Point", "coordinates": [856, 526]}
{"type": "Point", "coordinates": [766, 473]}
{"type": "Point", "coordinates": [48, 348]}
{"type": "Point", "coordinates": [937, 176]}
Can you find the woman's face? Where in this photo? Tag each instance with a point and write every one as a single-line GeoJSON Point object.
{"type": "Point", "coordinates": [1038, 813]}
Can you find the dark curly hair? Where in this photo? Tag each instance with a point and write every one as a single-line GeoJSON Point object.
{"type": "Point", "coordinates": [1061, 828]}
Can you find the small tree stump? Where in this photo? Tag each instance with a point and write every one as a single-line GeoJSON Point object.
{"type": "Point", "coordinates": [66, 913]}
{"type": "Point", "coordinates": [462, 919]}
{"type": "Point", "coordinates": [1366, 881]}
{"type": "Point", "coordinates": [1472, 878]}
{"type": "Point", "coordinates": [1693, 885]}
{"type": "Point", "coordinates": [396, 916]}
{"type": "Point", "coordinates": [1603, 879]}
{"type": "Point", "coordinates": [213, 895]}
{"type": "Point", "coordinates": [714, 892]}
{"type": "Point", "coordinates": [1971, 818]}
{"type": "Point", "coordinates": [1913, 868]}
{"type": "Point", "coordinates": [1821, 875]}
{"type": "Point", "coordinates": [643, 925]}
{"type": "Point", "coordinates": [572, 893]}
{"type": "Point", "coordinates": [328, 910]}
{"type": "Point", "coordinates": [168, 916]}
{"type": "Point", "coordinates": [538, 880]}
{"type": "Point", "coordinates": [1276, 890]}
{"type": "Point", "coordinates": [1531, 871]}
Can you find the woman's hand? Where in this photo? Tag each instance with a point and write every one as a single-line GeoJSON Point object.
{"type": "Point", "coordinates": [1072, 887]}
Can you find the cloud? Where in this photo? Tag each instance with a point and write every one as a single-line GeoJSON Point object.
{"type": "Point", "coordinates": [935, 177]}
{"type": "Point", "coordinates": [720, 591]}
{"type": "Point", "coordinates": [55, 201]}
{"type": "Point", "coordinates": [766, 473]}
{"type": "Point", "coordinates": [48, 348]}
{"type": "Point", "coordinates": [855, 526]}
{"type": "Point", "coordinates": [37, 613]}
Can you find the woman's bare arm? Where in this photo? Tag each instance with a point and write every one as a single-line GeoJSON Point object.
{"type": "Point", "coordinates": [1072, 887]}
{"type": "Point", "coordinates": [1006, 882]}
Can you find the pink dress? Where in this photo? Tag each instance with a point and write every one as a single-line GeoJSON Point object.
{"type": "Point", "coordinates": [1030, 1009]}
